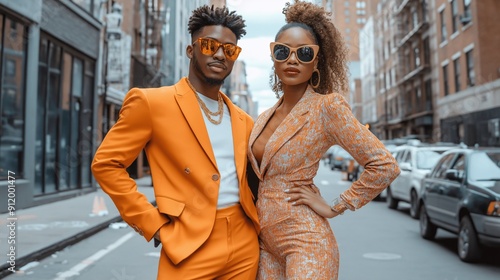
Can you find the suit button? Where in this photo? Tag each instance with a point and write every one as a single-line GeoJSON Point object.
{"type": "Point", "coordinates": [215, 177]}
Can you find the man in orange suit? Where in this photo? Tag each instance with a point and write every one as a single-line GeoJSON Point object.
{"type": "Point", "coordinates": [196, 141]}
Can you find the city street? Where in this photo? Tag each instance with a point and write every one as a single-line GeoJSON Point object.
{"type": "Point", "coordinates": [375, 243]}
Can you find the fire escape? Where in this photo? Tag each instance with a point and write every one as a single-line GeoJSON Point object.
{"type": "Point", "coordinates": [415, 96]}
{"type": "Point", "coordinates": [147, 53]}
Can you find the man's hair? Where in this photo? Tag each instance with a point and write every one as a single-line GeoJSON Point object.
{"type": "Point", "coordinates": [206, 15]}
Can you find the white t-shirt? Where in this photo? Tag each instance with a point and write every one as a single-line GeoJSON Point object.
{"type": "Point", "coordinates": [221, 137]}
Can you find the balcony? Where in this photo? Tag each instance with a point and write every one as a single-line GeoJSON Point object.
{"type": "Point", "coordinates": [401, 6]}
{"type": "Point", "coordinates": [421, 27]}
{"type": "Point", "coordinates": [421, 118]}
{"type": "Point", "coordinates": [422, 68]}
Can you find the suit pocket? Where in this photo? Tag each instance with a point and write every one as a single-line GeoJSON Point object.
{"type": "Point", "coordinates": [170, 206]}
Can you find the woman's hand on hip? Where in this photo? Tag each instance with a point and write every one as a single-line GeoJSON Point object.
{"type": "Point", "coordinates": [309, 195]}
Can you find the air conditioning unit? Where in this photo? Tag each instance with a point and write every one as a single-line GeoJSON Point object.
{"type": "Point", "coordinates": [465, 18]}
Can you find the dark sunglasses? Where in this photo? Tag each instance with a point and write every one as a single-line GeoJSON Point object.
{"type": "Point", "coordinates": [305, 54]}
{"type": "Point", "coordinates": [210, 46]}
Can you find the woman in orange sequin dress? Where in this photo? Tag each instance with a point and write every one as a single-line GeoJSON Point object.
{"type": "Point", "coordinates": [289, 139]}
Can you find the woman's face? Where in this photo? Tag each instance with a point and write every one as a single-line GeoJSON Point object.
{"type": "Point", "coordinates": [294, 71]}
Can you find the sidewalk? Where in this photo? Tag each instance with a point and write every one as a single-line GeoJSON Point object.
{"type": "Point", "coordinates": [42, 230]}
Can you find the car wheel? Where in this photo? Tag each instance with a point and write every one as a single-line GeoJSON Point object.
{"type": "Point", "coordinates": [392, 203]}
{"type": "Point", "coordinates": [427, 228]}
{"type": "Point", "coordinates": [468, 246]}
{"type": "Point", "coordinates": [414, 211]}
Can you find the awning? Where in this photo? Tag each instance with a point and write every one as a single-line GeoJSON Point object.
{"type": "Point", "coordinates": [115, 96]}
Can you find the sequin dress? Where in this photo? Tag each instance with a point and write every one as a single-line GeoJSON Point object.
{"type": "Point", "coordinates": [296, 242]}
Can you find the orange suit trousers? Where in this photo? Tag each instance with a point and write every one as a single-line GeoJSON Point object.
{"type": "Point", "coordinates": [230, 252]}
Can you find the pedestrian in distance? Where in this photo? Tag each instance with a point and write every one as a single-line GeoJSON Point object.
{"type": "Point", "coordinates": [196, 143]}
{"type": "Point", "coordinates": [289, 139]}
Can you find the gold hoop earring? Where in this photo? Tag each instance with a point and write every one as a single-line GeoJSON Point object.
{"type": "Point", "coordinates": [277, 85]}
{"type": "Point", "coordinates": [315, 86]}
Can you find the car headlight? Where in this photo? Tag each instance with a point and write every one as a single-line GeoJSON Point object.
{"type": "Point", "coordinates": [494, 208]}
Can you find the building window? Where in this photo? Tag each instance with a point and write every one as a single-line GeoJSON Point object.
{"type": "Point", "coordinates": [456, 68]}
{"type": "Point", "coordinates": [467, 11]}
{"type": "Point", "coordinates": [361, 20]}
{"type": "Point", "coordinates": [414, 17]}
{"type": "Point", "coordinates": [424, 10]}
{"type": "Point", "coordinates": [454, 16]}
{"type": "Point", "coordinates": [64, 118]}
{"type": "Point", "coordinates": [409, 103]}
{"type": "Point", "coordinates": [10, 67]}
{"type": "Point", "coordinates": [416, 54]}
{"type": "Point", "coordinates": [360, 4]}
{"type": "Point", "coordinates": [419, 101]}
{"type": "Point", "coordinates": [91, 6]}
{"type": "Point", "coordinates": [445, 80]}
{"type": "Point", "coordinates": [444, 34]}
{"type": "Point", "coordinates": [427, 51]}
{"type": "Point", "coordinates": [471, 75]}
{"type": "Point", "coordinates": [428, 95]}
{"type": "Point", "coordinates": [12, 97]}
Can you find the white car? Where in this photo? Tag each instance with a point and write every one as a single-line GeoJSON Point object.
{"type": "Point", "coordinates": [415, 161]}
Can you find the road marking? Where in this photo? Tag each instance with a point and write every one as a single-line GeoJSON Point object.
{"type": "Point", "coordinates": [382, 256]}
{"type": "Point", "coordinates": [75, 270]}
{"type": "Point", "coordinates": [153, 254]}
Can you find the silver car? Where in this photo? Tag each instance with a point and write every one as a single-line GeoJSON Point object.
{"type": "Point", "coordinates": [415, 161]}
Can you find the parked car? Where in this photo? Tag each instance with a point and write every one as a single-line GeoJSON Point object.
{"type": "Point", "coordinates": [391, 148]}
{"type": "Point", "coordinates": [337, 156]}
{"type": "Point", "coordinates": [415, 161]}
{"type": "Point", "coordinates": [462, 195]}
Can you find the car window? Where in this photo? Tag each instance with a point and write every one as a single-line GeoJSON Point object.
{"type": "Point", "coordinates": [400, 154]}
{"type": "Point", "coordinates": [426, 159]}
{"type": "Point", "coordinates": [484, 166]}
{"type": "Point", "coordinates": [459, 165]}
{"type": "Point", "coordinates": [442, 166]}
{"type": "Point", "coordinates": [407, 158]}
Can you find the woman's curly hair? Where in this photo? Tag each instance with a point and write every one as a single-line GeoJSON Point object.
{"type": "Point", "coordinates": [206, 15]}
{"type": "Point", "coordinates": [333, 53]}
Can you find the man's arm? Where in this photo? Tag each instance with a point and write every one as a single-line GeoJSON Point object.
{"type": "Point", "coordinates": [119, 149]}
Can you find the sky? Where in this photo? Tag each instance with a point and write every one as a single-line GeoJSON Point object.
{"type": "Point", "coordinates": [263, 19]}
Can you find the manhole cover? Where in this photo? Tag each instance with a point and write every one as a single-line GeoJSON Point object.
{"type": "Point", "coordinates": [382, 256]}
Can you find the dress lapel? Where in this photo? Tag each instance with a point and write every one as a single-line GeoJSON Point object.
{"type": "Point", "coordinates": [257, 129]}
{"type": "Point", "coordinates": [292, 124]}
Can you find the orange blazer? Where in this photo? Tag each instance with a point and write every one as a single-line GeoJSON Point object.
{"type": "Point", "coordinates": [167, 122]}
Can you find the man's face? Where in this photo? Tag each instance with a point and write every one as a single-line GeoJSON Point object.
{"type": "Point", "coordinates": [211, 69]}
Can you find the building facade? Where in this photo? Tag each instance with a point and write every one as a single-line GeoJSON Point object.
{"type": "Point", "coordinates": [49, 84]}
{"type": "Point", "coordinates": [468, 108]}
{"type": "Point", "coordinates": [413, 44]}
{"type": "Point", "coordinates": [438, 71]}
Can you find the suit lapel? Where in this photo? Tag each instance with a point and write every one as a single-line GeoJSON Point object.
{"type": "Point", "coordinates": [239, 130]}
{"type": "Point", "coordinates": [191, 110]}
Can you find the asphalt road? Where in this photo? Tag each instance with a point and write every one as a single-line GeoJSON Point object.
{"type": "Point", "coordinates": [375, 243]}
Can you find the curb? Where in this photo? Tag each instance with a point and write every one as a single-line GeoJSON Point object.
{"type": "Point", "coordinates": [49, 250]}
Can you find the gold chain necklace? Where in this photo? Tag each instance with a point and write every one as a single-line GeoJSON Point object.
{"type": "Point", "coordinates": [206, 111]}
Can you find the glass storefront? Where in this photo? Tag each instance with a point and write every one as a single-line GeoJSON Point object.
{"type": "Point", "coordinates": [13, 40]}
{"type": "Point", "coordinates": [64, 118]}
